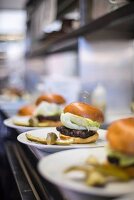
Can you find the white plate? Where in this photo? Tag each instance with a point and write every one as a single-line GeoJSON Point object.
{"type": "Point", "coordinates": [9, 123]}
{"type": "Point", "coordinates": [52, 168]}
{"type": "Point", "coordinates": [126, 197]}
{"type": "Point", "coordinates": [53, 148]}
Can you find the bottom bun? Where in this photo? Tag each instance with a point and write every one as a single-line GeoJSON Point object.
{"type": "Point", "coordinates": [49, 124]}
{"type": "Point", "coordinates": [78, 140]}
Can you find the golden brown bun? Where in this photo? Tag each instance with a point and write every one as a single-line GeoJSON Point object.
{"type": "Point", "coordinates": [78, 140]}
{"type": "Point", "coordinates": [26, 110]}
{"type": "Point", "coordinates": [85, 110]}
{"type": "Point", "coordinates": [120, 135]}
{"type": "Point", "coordinates": [51, 98]}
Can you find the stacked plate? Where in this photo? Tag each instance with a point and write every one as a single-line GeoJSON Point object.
{"type": "Point", "coordinates": [74, 184]}
{"type": "Point", "coordinates": [53, 166]}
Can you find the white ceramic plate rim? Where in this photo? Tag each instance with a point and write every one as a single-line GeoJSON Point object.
{"type": "Point", "coordinates": [48, 170]}
{"type": "Point", "coordinates": [9, 123]}
{"type": "Point", "coordinates": [22, 138]}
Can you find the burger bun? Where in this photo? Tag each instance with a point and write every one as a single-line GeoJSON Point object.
{"type": "Point", "coordinates": [120, 135]}
{"type": "Point", "coordinates": [51, 98]}
{"type": "Point", "coordinates": [85, 110]}
{"type": "Point", "coordinates": [78, 140]}
{"type": "Point", "coordinates": [26, 110]}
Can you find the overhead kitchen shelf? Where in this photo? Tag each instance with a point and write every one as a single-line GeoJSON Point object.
{"type": "Point", "coordinates": [118, 22]}
{"type": "Point", "coordinates": [65, 6]}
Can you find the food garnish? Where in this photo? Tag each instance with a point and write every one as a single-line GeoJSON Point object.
{"type": "Point", "coordinates": [36, 139]}
{"type": "Point", "coordinates": [99, 174]}
{"type": "Point", "coordinates": [33, 121]}
{"type": "Point", "coordinates": [50, 139]}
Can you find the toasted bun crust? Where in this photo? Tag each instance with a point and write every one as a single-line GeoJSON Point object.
{"type": "Point", "coordinates": [51, 98]}
{"type": "Point", "coordinates": [85, 110]}
{"type": "Point", "coordinates": [78, 140]}
{"type": "Point", "coordinates": [120, 135]}
{"type": "Point", "coordinates": [26, 110]}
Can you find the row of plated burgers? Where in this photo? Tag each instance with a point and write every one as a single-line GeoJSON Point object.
{"type": "Point", "coordinates": [79, 122]}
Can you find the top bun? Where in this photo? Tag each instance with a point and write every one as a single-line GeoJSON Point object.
{"type": "Point", "coordinates": [85, 110]}
{"type": "Point", "coordinates": [121, 135]}
{"type": "Point", "coordinates": [51, 98]}
{"type": "Point", "coordinates": [26, 110]}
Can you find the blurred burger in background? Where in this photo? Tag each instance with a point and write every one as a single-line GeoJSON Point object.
{"type": "Point", "coordinates": [44, 113]}
{"type": "Point", "coordinates": [24, 113]}
{"type": "Point", "coordinates": [14, 94]}
{"type": "Point", "coordinates": [51, 98]}
{"type": "Point", "coordinates": [48, 110]}
{"type": "Point", "coordinates": [26, 110]}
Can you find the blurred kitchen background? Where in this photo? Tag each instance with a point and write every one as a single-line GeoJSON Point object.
{"type": "Point", "coordinates": [43, 48]}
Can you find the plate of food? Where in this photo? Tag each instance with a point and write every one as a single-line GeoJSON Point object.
{"type": "Point", "coordinates": [27, 123]}
{"type": "Point", "coordinates": [79, 128]}
{"type": "Point", "coordinates": [105, 172]}
{"type": "Point", "coordinates": [44, 113]}
{"type": "Point", "coordinates": [49, 140]}
{"type": "Point", "coordinates": [19, 123]}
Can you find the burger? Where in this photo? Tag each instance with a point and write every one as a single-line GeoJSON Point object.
{"type": "Point", "coordinates": [51, 98]}
{"type": "Point", "coordinates": [48, 110]}
{"type": "Point", "coordinates": [23, 115]}
{"type": "Point", "coordinates": [26, 110]}
{"type": "Point", "coordinates": [120, 136]}
{"type": "Point", "coordinates": [80, 122]}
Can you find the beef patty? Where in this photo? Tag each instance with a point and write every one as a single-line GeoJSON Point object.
{"type": "Point", "coordinates": [50, 118]}
{"type": "Point", "coordinates": [116, 161]}
{"type": "Point", "coordinates": [75, 133]}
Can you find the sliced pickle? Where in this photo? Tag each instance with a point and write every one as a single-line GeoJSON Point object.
{"type": "Point", "coordinates": [51, 138]}
{"type": "Point", "coordinates": [33, 121]}
{"type": "Point", "coordinates": [36, 139]}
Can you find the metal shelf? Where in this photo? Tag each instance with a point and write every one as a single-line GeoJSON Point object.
{"type": "Point", "coordinates": [120, 21]}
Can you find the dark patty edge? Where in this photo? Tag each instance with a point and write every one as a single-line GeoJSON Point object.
{"type": "Point", "coordinates": [75, 133]}
{"type": "Point", "coordinates": [51, 118]}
